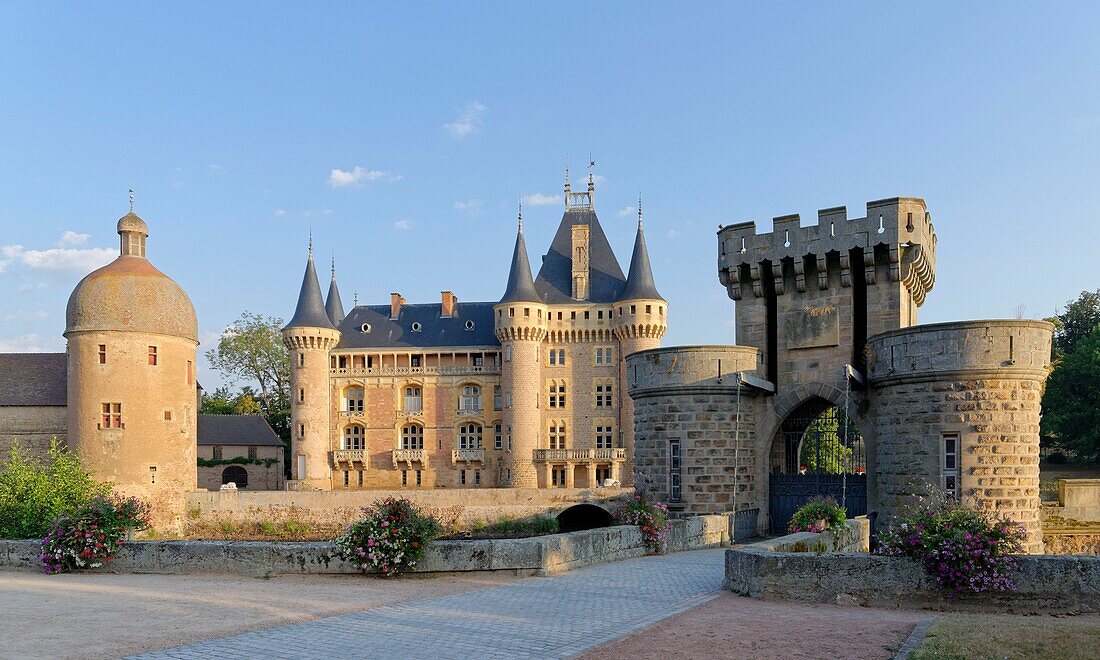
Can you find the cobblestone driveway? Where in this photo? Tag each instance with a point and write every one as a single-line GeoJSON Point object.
{"type": "Point", "coordinates": [549, 617]}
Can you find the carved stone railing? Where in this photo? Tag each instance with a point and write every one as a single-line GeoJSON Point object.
{"type": "Point", "coordinates": [467, 456]}
{"type": "Point", "coordinates": [352, 413]}
{"type": "Point", "coordinates": [469, 412]}
{"type": "Point", "coordinates": [349, 456]}
{"type": "Point", "coordinates": [413, 371]}
{"type": "Point", "coordinates": [577, 455]}
{"type": "Point", "coordinates": [410, 456]}
{"type": "Point", "coordinates": [414, 412]}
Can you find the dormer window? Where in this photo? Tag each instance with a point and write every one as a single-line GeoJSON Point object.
{"type": "Point", "coordinates": [416, 327]}
{"type": "Point", "coordinates": [469, 326]}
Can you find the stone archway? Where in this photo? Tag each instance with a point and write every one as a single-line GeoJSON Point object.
{"type": "Point", "coordinates": [583, 516]}
{"type": "Point", "coordinates": [235, 474]}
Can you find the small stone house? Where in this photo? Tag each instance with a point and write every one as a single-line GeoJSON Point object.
{"type": "Point", "coordinates": [239, 449]}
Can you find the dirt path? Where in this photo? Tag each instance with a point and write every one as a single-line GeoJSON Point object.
{"type": "Point", "coordinates": [87, 615]}
{"type": "Point", "coordinates": [734, 627]}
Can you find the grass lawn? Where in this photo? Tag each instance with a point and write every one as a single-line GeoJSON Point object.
{"type": "Point", "coordinates": [1011, 636]}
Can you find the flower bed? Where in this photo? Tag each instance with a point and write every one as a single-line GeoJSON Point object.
{"type": "Point", "coordinates": [90, 537]}
{"type": "Point", "coordinates": [389, 539]}
{"type": "Point", "coordinates": [818, 515]}
{"type": "Point", "coordinates": [651, 518]}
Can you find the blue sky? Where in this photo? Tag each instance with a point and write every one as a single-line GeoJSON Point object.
{"type": "Point", "coordinates": [404, 136]}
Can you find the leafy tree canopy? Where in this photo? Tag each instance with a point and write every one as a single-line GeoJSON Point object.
{"type": "Point", "coordinates": [252, 350]}
{"type": "Point", "coordinates": [1071, 403]}
{"type": "Point", "coordinates": [1079, 319]}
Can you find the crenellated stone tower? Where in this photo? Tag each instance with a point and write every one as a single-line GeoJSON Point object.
{"type": "Point", "coordinates": [132, 335]}
{"type": "Point", "coordinates": [310, 336]}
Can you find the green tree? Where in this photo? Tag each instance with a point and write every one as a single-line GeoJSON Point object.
{"type": "Point", "coordinates": [224, 402]}
{"type": "Point", "coordinates": [34, 491]}
{"type": "Point", "coordinates": [1079, 319]}
{"type": "Point", "coordinates": [252, 350]}
{"type": "Point", "coordinates": [1071, 403]}
{"type": "Point", "coordinates": [823, 447]}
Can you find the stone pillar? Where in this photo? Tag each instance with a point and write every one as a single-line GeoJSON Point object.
{"type": "Point", "coordinates": [547, 478]}
{"type": "Point", "coordinates": [977, 381]}
{"type": "Point", "coordinates": [569, 468]}
{"type": "Point", "coordinates": [591, 475]}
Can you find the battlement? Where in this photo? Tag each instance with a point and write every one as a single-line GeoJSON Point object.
{"type": "Point", "coordinates": [898, 230]}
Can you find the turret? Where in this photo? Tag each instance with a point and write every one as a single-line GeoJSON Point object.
{"type": "Point", "coordinates": [641, 322]}
{"type": "Point", "coordinates": [309, 337]}
{"type": "Point", "coordinates": [333, 306]}
{"type": "Point", "coordinates": [521, 325]}
{"type": "Point", "coordinates": [132, 335]}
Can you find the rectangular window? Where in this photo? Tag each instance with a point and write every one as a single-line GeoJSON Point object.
{"type": "Point", "coordinates": [462, 477]}
{"type": "Point", "coordinates": [557, 357]}
{"type": "Point", "coordinates": [603, 436]}
{"type": "Point", "coordinates": [507, 353]}
{"type": "Point", "coordinates": [498, 436]}
{"type": "Point", "coordinates": [573, 316]}
{"type": "Point", "coordinates": [599, 314]}
{"type": "Point", "coordinates": [103, 353]}
{"type": "Point", "coordinates": [498, 398]}
{"type": "Point", "coordinates": [360, 478]}
{"type": "Point", "coordinates": [587, 314]}
{"type": "Point", "coordinates": [414, 399]}
{"type": "Point", "coordinates": [301, 359]}
{"type": "Point", "coordinates": [604, 356]}
{"type": "Point", "coordinates": [511, 312]}
{"type": "Point", "coordinates": [557, 437]}
{"type": "Point", "coordinates": [217, 453]}
{"type": "Point", "coordinates": [404, 477]}
{"type": "Point", "coordinates": [418, 481]}
{"type": "Point", "coordinates": [252, 453]}
{"type": "Point", "coordinates": [527, 311]}
{"type": "Point", "coordinates": [477, 477]}
{"type": "Point", "coordinates": [190, 373]}
{"type": "Point", "coordinates": [301, 395]}
{"type": "Point", "coordinates": [603, 395]}
{"type": "Point", "coordinates": [167, 415]}
{"type": "Point", "coordinates": [674, 471]}
{"type": "Point", "coordinates": [649, 309]}
{"type": "Point", "coordinates": [153, 356]}
{"type": "Point", "coordinates": [347, 478]}
{"type": "Point", "coordinates": [301, 430]}
{"type": "Point", "coordinates": [479, 360]}
{"type": "Point", "coordinates": [951, 464]}
{"type": "Point", "coordinates": [112, 416]}
{"type": "Point", "coordinates": [509, 437]}
{"type": "Point", "coordinates": [414, 361]}
{"type": "Point", "coordinates": [633, 309]}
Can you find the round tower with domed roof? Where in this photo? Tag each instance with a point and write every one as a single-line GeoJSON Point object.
{"type": "Point", "coordinates": [132, 336]}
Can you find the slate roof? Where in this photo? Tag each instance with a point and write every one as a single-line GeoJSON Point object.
{"type": "Point", "coordinates": [310, 312]}
{"type": "Point", "coordinates": [521, 287]}
{"type": "Point", "coordinates": [554, 283]}
{"type": "Point", "coordinates": [33, 379]}
{"type": "Point", "coordinates": [333, 305]}
{"type": "Point", "coordinates": [236, 430]}
{"type": "Point", "coordinates": [639, 284]}
{"type": "Point", "coordinates": [434, 330]}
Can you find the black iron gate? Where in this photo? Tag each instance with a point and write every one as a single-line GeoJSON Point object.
{"type": "Point", "coordinates": [816, 457]}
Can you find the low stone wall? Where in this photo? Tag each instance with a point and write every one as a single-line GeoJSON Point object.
{"type": "Point", "coordinates": [1045, 583]}
{"type": "Point", "coordinates": [855, 536]}
{"type": "Point", "coordinates": [541, 555]}
{"type": "Point", "coordinates": [334, 509]}
{"type": "Point", "coordinates": [1078, 499]}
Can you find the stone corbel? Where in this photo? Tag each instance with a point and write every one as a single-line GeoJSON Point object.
{"type": "Point", "coordinates": [757, 285]}
{"type": "Point", "coordinates": [800, 275]}
{"type": "Point", "coordinates": [845, 270]}
{"type": "Point", "coordinates": [777, 277]}
{"type": "Point", "coordinates": [895, 271]}
{"type": "Point", "coordinates": [734, 286]}
{"type": "Point", "coordinates": [869, 264]}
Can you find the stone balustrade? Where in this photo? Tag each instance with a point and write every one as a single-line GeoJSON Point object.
{"type": "Point", "coordinates": [409, 456]}
{"type": "Point", "coordinates": [467, 456]}
{"type": "Point", "coordinates": [412, 371]}
{"type": "Point", "coordinates": [349, 456]}
{"type": "Point", "coordinates": [580, 455]}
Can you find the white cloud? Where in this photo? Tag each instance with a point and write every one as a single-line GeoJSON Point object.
{"type": "Point", "coordinates": [672, 233]}
{"type": "Point", "coordinates": [539, 199]}
{"type": "Point", "coordinates": [214, 168]}
{"type": "Point", "coordinates": [397, 177]}
{"type": "Point", "coordinates": [628, 210]}
{"type": "Point", "coordinates": [72, 239]}
{"type": "Point", "coordinates": [280, 213]}
{"type": "Point", "coordinates": [402, 224]}
{"type": "Point", "coordinates": [324, 210]}
{"type": "Point", "coordinates": [26, 315]}
{"type": "Point", "coordinates": [31, 343]}
{"type": "Point", "coordinates": [470, 120]}
{"type": "Point", "coordinates": [471, 206]}
{"type": "Point", "coordinates": [357, 176]}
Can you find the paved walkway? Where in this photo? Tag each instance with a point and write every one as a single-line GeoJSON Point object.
{"type": "Point", "coordinates": [550, 617]}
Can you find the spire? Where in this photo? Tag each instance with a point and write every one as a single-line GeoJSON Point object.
{"type": "Point", "coordinates": [639, 281]}
{"type": "Point", "coordinates": [568, 186]}
{"type": "Point", "coordinates": [333, 305]}
{"type": "Point", "coordinates": [310, 312]}
{"type": "Point", "coordinates": [521, 286]}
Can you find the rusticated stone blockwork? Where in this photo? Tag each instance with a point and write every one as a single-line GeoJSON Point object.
{"type": "Point", "coordinates": [977, 381]}
{"type": "Point", "coordinates": [686, 401]}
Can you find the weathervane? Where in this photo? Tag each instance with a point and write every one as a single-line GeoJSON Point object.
{"type": "Point", "coordinates": [521, 216]}
{"type": "Point", "coordinates": [131, 200]}
{"type": "Point", "coordinates": [639, 210]}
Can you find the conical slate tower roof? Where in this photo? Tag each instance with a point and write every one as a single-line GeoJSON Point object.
{"type": "Point", "coordinates": [639, 281]}
{"type": "Point", "coordinates": [310, 312]}
{"type": "Point", "coordinates": [521, 286]}
{"type": "Point", "coordinates": [333, 305]}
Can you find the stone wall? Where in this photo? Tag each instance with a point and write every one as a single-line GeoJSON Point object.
{"type": "Point", "coordinates": [1044, 584]}
{"type": "Point", "coordinates": [688, 394]}
{"type": "Point", "coordinates": [33, 427]}
{"type": "Point", "coordinates": [855, 536]}
{"type": "Point", "coordinates": [540, 555]}
{"type": "Point", "coordinates": [978, 380]}
{"type": "Point", "coordinates": [337, 508]}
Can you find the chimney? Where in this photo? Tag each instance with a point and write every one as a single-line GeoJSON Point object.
{"type": "Point", "coordinates": [447, 308]}
{"type": "Point", "coordinates": [395, 305]}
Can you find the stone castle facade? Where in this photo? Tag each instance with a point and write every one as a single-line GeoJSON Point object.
{"type": "Point", "coordinates": [826, 324]}
{"type": "Point", "coordinates": [524, 392]}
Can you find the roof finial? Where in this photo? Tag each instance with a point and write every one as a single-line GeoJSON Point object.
{"type": "Point", "coordinates": [568, 186]}
{"type": "Point", "coordinates": [355, 298]}
{"type": "Point", "coordinates": [334, 264]}
{"type": "Point", "coordinates": [521, 216]}
{"type": "Point", "coordinates": [639, 211]}
{"type": "Point", "coordinates": [311, 242]}
{"type": "Point", "coordinates": [131, 200]}
{"type": "Point", "coordinates": [591, 164]}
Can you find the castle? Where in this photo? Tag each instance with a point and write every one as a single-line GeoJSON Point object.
{"type": "Point", "coordinates": [524, 392]}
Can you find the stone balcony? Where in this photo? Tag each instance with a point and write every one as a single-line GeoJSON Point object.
{"type": "Point", "coordinates": [409, 456]}
{"type": "Point", "coordinates": [580, 455]}
{"type": "Point", "coordinates": [469, 412]}
{"type": "Point", "coordinates": [349, 456]}
{"type": "Point", "coordinates": [467, 456]}
{"type": "Point", "coordinates": [413, 371]}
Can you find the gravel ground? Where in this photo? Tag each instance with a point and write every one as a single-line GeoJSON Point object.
{"type": "Point", "coordinates": [96, 616]}
{"type": "Point", "coordinates": [734, 627]}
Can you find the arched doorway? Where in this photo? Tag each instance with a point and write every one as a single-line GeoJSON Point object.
{"type": "Point", "coordinates": [818, 450]}
{"type": "Point", "coordinates": [583, 516]}
{"type": "Point", "coordinates": [235, 474]}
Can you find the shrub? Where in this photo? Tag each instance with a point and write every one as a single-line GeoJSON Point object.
{"type": "Point", "coordinates": [963, 548]}
{"type": "Point", "coordinates": [651, 517]}
{"type": "Point", "coordinates": [1056, 458]}
{"type": "Point", "coordinates": [809, 516]}
{"type": "Point", "coordinates": [390, 537]}
{"type": "Point", "coordinates": [34, 491]}
{"type": "Point", "coordinates": [90, 536]}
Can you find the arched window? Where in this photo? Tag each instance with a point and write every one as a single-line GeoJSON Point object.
{"type": "Point", "coordinates": [235, 474]}
{"type": "Point", "coordinates": [353, 437]}
{"type": "Point", "coordinates": [414, 399]}
{"type": "Point", "coordinates": [469, 436]}
{"type": "Point", "coordinates": [471, 398]}
{"type": "Point", "coordinates": [412, 436]}
{"type": "Point", "coordinates": [354, 398]}
{"type": "Point", "coordinates": [557, 435]}
{"type": "Point", "coordinates": [557, 394]}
